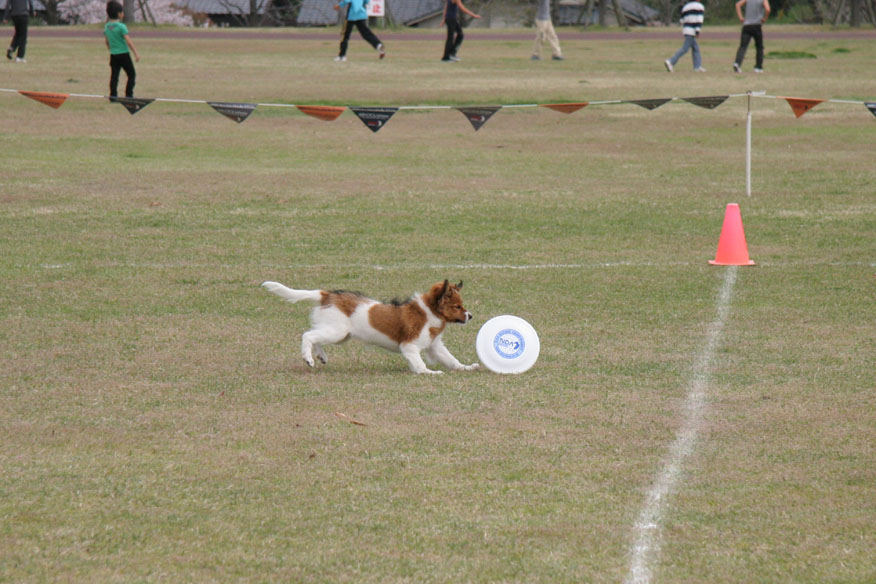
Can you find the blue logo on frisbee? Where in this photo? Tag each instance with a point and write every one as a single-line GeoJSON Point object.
{"type": "Point", "coordinates": [509, 344]}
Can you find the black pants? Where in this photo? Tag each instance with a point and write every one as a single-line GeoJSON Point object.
{"type": "Point", "coordinates": [19, 39]}
{"type": "Point", "coordinates": [117, 63]}
{"type": "Point", "coordinates": [454, 38]}
{"type": "Point", "coordinates": [362, 27]}
{"type": "Point", "coordinates": [751, 31]}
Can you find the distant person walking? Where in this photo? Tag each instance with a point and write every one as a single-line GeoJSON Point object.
{"type": "Point", "coordinates": [120, 47]}
{"type": "Point", "coordinates": [20, 11]}
{"type": "Point", "coordinates": [452, 8]}
{"type": "Point", "coordinates": [692, 14]}
{"type": "Point", "coordinates": [357, 15]}
{"type": "Point", "coordinates": [544, 31]}
{"type": "Point", "coordinates": [756, 13]}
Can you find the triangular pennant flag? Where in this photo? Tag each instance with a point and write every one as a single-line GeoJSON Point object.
{"type": "Point", "coordinates": [233, 111]}
{"type": "Point", "coordinates": [374, 118]}
{"type": "Point", "coordinates": [478, 116]}
{"type": "Point", "coordinates": [871, 105]}
{"type": "Point", "coordinates": [133, 104]}
{"type": "Point", "coordinates": [801, 105]}
{"type": "Point", "coordinates": [54, 100]}
{"type": "Point", "coordinates": [650, 104]}
{"type": "Point", "coordinates": [566, 108]}
{"type": "Point", "coordinates": [709, 102]}
{"type": "Point", "coordinates": [326, 113]}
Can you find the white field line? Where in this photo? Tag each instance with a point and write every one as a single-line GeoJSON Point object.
{"type": "Point", "coordinates": [391, 267]}
{"type": "Point", "coordinates": [648, 527]}
{"type": "Point", "coordinates": [374, 267]}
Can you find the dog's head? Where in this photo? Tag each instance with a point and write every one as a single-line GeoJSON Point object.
{"type": "Point", "coordinates": [447, 303]}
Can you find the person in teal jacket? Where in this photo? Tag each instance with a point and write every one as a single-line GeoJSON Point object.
{"type": "Point", "coordinates": [120, 47]}
{"type": "Point", "coordinates": [357, 16]}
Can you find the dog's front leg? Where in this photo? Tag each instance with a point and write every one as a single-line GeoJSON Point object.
{"type": "Point", "coordinates": [440, 353]}
{"type": "Point", "coordinates": [415, 361]}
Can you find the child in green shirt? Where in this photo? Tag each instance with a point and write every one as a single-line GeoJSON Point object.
{"type": "Point", "coordinates": [120, 47]}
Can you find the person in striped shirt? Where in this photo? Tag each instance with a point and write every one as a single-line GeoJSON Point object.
{"type": "Point", "coordinates": [692, 14]}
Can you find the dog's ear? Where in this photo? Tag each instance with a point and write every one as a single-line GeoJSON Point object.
{"type": "Point", "coordinates": [444, 289]}
{"type": "Point", "coordinates": [458, 286]}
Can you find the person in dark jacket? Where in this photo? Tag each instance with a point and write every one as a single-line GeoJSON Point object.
{"type": "Point", "coordinates": [20, 11]}
{"type": "Point", "coordinates": [452, 9]}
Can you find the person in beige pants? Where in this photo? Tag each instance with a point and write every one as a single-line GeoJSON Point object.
{"type": "Point", "coordinates": [545, 32]}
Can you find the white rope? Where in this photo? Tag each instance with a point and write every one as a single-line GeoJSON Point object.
{"type": "Point", "coordinates": [755, 94]}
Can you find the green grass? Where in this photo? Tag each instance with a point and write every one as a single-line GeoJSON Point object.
{"type": "Point", "coordinates": [158, 423]}
{"type": "Point", "coordinates": [791, 55]}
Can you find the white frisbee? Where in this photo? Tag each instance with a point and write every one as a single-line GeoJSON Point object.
{"type": "Point", "coordinates": [507, 344]}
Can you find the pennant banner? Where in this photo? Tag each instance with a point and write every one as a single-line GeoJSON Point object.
{"type": "Point", "coordinates": [478, 116]}
{"type": "Point", "coordinates": [374, 118]}
{"type": "Point", "coordinates": [800, 105]}
{"type": "Point", "coordinates": [54, 100]}
{"type": "Point", "coordinates": [566, 108]}
{"type": "Point", "coordinates": [710, 102]}
{"type": "Point", "coordinates": [237, 112]}
{"type": "Point", "coordinates": [132, 104]}
{"type": "Point", "coordinates": [377, 117]}
{"type": "Point", "coordinates": [326, 113]}
{"type": "Point", "coordinates": [651, 104]}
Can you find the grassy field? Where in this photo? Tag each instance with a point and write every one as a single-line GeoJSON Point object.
{"type": "Point", "coordinates": [158, 423]}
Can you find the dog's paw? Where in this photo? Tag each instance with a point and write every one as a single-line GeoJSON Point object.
{"type": "Point", "coordinates": [431, 372]}
{"type": "Point", "coordinates": [309, 362]}
{"type": "Point", "coordinates": [472, 367]}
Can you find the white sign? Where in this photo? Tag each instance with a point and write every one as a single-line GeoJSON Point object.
{"type": "Point", "coordinates": [376, 8]}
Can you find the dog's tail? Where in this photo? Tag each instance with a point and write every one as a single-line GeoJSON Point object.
{"type": "Point", "coordinates": [293, 295]}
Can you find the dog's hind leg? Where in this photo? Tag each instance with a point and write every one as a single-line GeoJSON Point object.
{"type": "Point", "coordinates": [313, 340]}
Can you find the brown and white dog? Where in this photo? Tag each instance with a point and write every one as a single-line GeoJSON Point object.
{"type": "Point", "coordinates": [407, 327]}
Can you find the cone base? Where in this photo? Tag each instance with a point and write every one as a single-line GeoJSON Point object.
{"type": "Point", "coordinates": [717, 263]}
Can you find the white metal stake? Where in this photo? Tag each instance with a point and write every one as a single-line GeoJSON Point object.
{"type": "Point", "coordinates": [748, 149]}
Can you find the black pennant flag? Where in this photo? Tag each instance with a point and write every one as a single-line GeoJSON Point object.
{"type": "Point", "coordinates": [233, 111]}
{"type": "Point", "coordinates": [651, 104]}
{"type": "Point", "coordinates": [871, 105]}
{"type": "Point", "coordinates": [478, 116]}
{"type": "Point", "coordinates": [709, 102]}
{"type": "Point", "coordinates": [374, 118]}
{"type": "Point", "coordinates": [133, 104]}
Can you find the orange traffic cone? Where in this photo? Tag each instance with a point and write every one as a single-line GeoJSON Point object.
{"type": "Point", "coordinates": [732, 249]}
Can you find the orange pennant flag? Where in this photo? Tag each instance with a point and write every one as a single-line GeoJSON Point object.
{"type": "Point", "coordinates": [326, 113]}
{"type": "Point", "coordinates": [801, 105]}
{"type": "Point", "coordinates": [566, 108]}
{"type": "Point", "coordinates": [54, 100]}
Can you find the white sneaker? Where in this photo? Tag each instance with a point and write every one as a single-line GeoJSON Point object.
{"type": "Point", "coordinates": [20, 60]}
{"type": "Point", "coordinates": [668, 66]}
{"type": "Point", "coordinates": [381, 51]}
{"type": "Point", "coordinates": [700, 70]}
{"type": "Point", "coordinates": [455, 59]}
{"type": "Point", "coordinates": [341, 59]}
{"type": "Point", "coordinates": [758, 70]}
{"type": "Point", "coordinates": [737, 68]}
